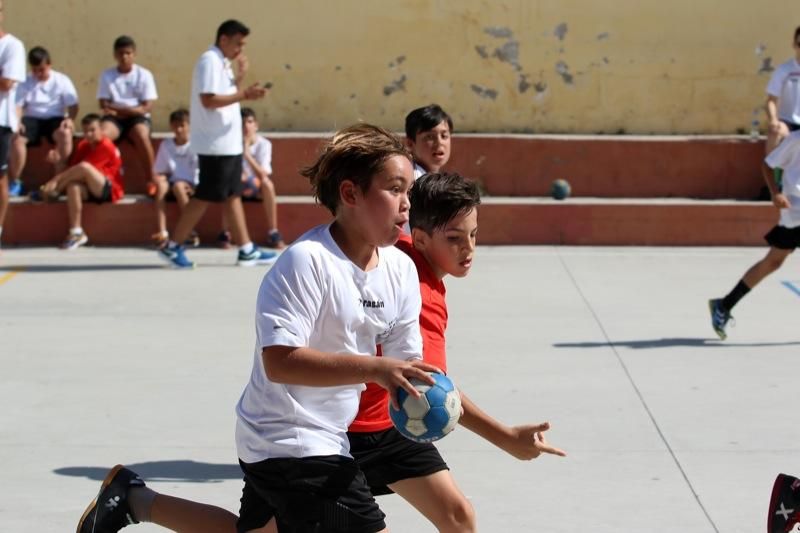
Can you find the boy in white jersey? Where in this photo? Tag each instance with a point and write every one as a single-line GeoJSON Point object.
{"type": "Point", "coordinates": [12, 72]}
{"type": "Point", "coordinates": [126, 93]}
{"type": "Point", "coordinates": [256, 180]}
{"type": "Point", "coordinates": [329, 300]}
{"type": "Point", "coordinates": [49, 104]}
{"type": "Point", "coordinates": [428, 131]}
{"type": "Point", "coordinates": [175, 172]}
{"type": "Point", "coordinates": [781, 165]}
{"type": "Point", "coordinates": [783, 98]}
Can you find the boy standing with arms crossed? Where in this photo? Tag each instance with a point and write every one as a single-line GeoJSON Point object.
{"type": "Point", "coordinates": [781, 165]}
{"type": "Point", "coordinates": [126, 93]}
{"type": "Point", "coordinates": [217, 140]}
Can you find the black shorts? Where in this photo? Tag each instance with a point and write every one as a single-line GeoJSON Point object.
{"type": "Point", "coordinates": [38, 128]}
{"type": "Point", "coordinates": [386, 457]}
{"type": "Point", "coordinates": [783, 238]}
{"type": "Point", "coordinates": [5, 147]}
{"type": "Point", "coordinates": [220, 177]}
{"type": "Point", "coordinates": [791, 125]}
{"type": "Point", "coordinates": [125, 125]}
{"type": "Point", "coordinates": [105, 195]}
{"type": "Point", "coordinates": [313, 494]}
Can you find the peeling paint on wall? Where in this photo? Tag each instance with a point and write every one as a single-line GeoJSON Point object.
{"type": "Point", "coordinates": [508, 53]}
{"type": "Point", "coordinates": [501, 32]}
{"type": "Point", "coordinates": [484, 92]}
{"type": "Point", "coordinates": [396, 85]}
{"type": "Point", "coordinates": [287, 66]}
{"type": "Point", "coordinates": [482, 51]}
{"type": "Point", "coordinates": [523, 84]}
{"type": "Point", "coordinates": [603, 36]}
{"type": "Point", "coordinates": [563, 70]}
{"type": "Point", "coordinates": [760, 49]}
{"type": "Point", "coordinates": [560, 31]}
{"type": "Point", "coordinates": [766, 66]}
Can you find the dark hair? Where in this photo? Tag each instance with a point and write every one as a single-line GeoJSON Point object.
{"type": "Point", "coordinates": [248, 112]}
{"type": "Point", "coordinates": [438, 198]}
{"type": "Point", "coordinates": [124, 41]}
{"type": "Point", "coordinates": [796, 33]}
{"type": "Point", "coordinates": [355, 153]}
{"type": "Point", "coordinates": [37, 56]}
{"type": "Point", "coordinates": [232, 27]}
{"type": "Point", "coordinates": [89, 118]}
{"type": "Point", "coordinates": [424, 119]}
{"type": "Point", "coordinates": [179, 115]}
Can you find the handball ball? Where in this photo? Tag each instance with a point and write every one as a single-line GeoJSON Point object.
{"type": "Point", "coordinates": [431, 416]}
{"type": "Point", "coordinates": [560, 189]}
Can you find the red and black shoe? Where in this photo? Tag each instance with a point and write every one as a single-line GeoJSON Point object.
{"type": "Point", "coordinates": [784, 506]}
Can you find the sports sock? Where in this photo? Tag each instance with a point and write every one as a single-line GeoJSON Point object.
{"type": "Point", "coordinates": [76, 231]}
{"type": "Point", "coordinates": [733, 297]}
{"type": "Point", "coordinates": [247, 248]}
{"type": "Point", "coordinates": [171, 244]}
{"type": "Point", "coordinates": [140, 500]}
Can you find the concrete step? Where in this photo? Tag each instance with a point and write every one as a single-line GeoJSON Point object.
{"type": "Point", "coordinates": [608, 166]}
{"type": "Point", "coordinates": [503, 220]}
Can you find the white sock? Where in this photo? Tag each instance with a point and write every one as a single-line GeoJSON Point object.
{"type": "Point", "coordinates": [171, 244]}
{"type": "Point", "coordinates": [247, 248]}
{"type": "Point", "coordinates": [76, 231]}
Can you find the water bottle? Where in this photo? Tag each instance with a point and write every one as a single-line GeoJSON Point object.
{"type": "Point", "coordinates": [754, 129]}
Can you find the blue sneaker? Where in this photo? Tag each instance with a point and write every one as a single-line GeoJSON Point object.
{"type": "Point", "coordinates": [719, 317]}
{"type": "Point", "coordinates": [256, 257]}
{"type": "Point", "coordinates": [110, 511]}
{"type": "Point", "coordinates": [175, 257]}
{"type": "Point", "coordinates": [15, 188]}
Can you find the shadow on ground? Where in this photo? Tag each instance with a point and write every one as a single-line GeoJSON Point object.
{"type": "Point", "coordinates": [48, 269]}
{"type": "Point", "coordinates": [671, 342]}
{"type": "Point", "coordinates": [183, 471]}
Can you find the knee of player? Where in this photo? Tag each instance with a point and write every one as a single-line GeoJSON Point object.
{"type": "Point", "coordinates": [267, 185]}
{"type": "Point", "coordinates": [460, 515]}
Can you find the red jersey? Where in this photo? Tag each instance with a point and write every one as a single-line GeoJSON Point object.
{"type": "Point", "coordinates": [104, 156]}
{"type": "Point", "coordinates": [373, 410]}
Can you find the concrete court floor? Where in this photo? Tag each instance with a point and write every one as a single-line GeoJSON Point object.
{"type": "Point", "coordinates": [106, 357]}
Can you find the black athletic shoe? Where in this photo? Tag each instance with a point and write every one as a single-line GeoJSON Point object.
{"type": "Point", "coordinates": [109, 512]}
{"type": "Point", "coordinates": [784, 506]}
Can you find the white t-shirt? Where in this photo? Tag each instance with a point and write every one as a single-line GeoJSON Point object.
{"type": "Point", "coordinates": [127, 89]}
{"type": "Point", "coordinates": [314, 296]}
{"type": "Point", "coordinates": [787, 157]}
{"type": "Point", "coordinates": [261, 150]}
{"type": "Point", "coordinates": [46, 99]}
{"type": "Point", "coordinates": [215, 131]}
{"type": "Point", "coordinates": [785, 84]}
{"type": "Point", "coordinates": [179, 163]}
{"type": "Point", "coordinates": [12, 67]}
{"type": "Point", "coordinates": [418, 171]}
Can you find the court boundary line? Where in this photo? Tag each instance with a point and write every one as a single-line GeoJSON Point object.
{"type": "Point", "coordinates": [636, 390]}
{"type": "Point", "coordinates": [10, 275]}
{"type": "Point", "coordinates": [791, 286]}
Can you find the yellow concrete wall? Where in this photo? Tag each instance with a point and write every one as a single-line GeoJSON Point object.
{"type": "Point", "coordinates": [581, 66]}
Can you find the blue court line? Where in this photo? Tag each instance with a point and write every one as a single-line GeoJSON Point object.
{"type": "Point", "coordinates": [792, 286]}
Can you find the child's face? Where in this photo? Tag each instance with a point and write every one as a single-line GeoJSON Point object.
{"type": "Point", "coordinates": [249, 126]}
{"type": "Point", "coordinates": [92, 131]}
{"type": "Point", "coordinates": [431, 148]}
{"type": "Point", "coordinates": [125, 57]}
{"type": "Point", "coordinates": [450, 250]}
{"type": "Point", "coordinates": [231, 47]}
{"type": "Point", "coordinates": [382, 210]}
{"type": "Point", "coordinates": [42, 71]}
{"type": "Point", "coordinates": [181, 130]}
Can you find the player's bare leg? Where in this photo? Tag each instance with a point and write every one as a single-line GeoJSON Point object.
{"type": "Point", "coordinates": [440, 500]}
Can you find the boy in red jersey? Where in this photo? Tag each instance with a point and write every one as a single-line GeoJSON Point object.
{"type": "Point", "coordinates": [444, 224]}
{"type": "Point", "coordinates": [93, 174]}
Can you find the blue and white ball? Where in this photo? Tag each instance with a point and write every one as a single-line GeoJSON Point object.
{"type": "Point", "coordinates": [431, 416]}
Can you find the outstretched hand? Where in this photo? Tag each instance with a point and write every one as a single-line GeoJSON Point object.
{"type": "Point", "coordinates": [528, 442]}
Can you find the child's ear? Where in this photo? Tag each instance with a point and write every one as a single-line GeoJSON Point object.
{"type": "Point", "coordinates": [409, 143]}
{"type": "Point", "coordinates": [348, 192]}
{"type": "Point", "coordinates": [420, 238]}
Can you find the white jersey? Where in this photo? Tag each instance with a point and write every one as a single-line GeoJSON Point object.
{"type": "Point", "coordinates": [261, 150]}
{"type": "Point", "coordinates": [787, 157]}
{"type": "Point", "coordinates": [12, 67]}
{"type": "Point", "coordinates": [418, 171]}
{"type": "Point", "coordinates": [215, 131]}
{"type": "Point", "coordinates": [127, 89]}
{"type": "Point", "coordinates": [47, 99]}
{"type": "Point", "coordinates": [315, 296]}
{"type": "Point", "coordinates": [177, 162]}
{"type": "Point", "coordinates": [785, 84]}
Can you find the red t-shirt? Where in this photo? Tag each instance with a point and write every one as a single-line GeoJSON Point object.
{"type": "Point", "coordinates": [104, 156]}
{"type": "Point", "coordinates": [373, 410]}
